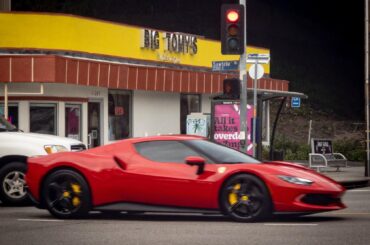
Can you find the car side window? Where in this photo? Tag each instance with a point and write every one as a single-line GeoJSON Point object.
{"type": "Point", "coordinates": [165, 151]}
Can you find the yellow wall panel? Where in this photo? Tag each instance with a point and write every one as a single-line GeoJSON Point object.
{"type": "Point", "coordinates": [72, 33]}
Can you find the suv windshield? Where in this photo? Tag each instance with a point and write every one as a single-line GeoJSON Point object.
{"type": "Point", "coordinates": [6, 126]}
{"type": "Point", "coordinates": [219, 153]}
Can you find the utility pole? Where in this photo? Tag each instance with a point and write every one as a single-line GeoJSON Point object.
{"type": "Point", "coordinates": [367, 165]}
{"type": "Point", "coordinates": [243, 87]}
{"type": "Point", "coordinates": [255, 86]}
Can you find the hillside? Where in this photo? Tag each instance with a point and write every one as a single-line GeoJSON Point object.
{"type": "Point", "coordinates": [293, 126]}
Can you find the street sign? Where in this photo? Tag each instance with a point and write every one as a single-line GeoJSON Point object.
{"type": "Point", "coordinates": [252, 71]}
{"type": "Point", "coordinates": [230, 65]}
{"type": "Point", "coordinates": [296, 102]}
{"type": "Point", "coordinates": [258, 58]}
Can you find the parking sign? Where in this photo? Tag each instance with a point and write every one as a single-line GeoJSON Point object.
{"type": "Point", "coordinates": [296, 102]}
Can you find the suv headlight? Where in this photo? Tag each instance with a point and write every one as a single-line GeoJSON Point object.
{"type": "Point", "coordinates": [296, 180]}
{"type": "Point", "coordinates": [50, 149]}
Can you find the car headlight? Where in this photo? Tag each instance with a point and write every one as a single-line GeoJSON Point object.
{"type": "Point", "coordinates": [55, 148]}
{"type": "Point", "coordinates": [296, 180]}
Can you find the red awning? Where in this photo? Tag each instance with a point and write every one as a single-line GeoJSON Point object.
{"type": "Point", "coordinates": [67, 70]}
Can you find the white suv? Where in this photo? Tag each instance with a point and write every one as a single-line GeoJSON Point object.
{"type": "Point", "coordinates": [15, 147]}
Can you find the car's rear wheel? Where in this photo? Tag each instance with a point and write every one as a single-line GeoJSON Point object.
{"type": "Point", "coordinates": [13, 184]}
{"type": "Point", "coordinates": [245, 198]}
{"type": "Point", "coordinates": [66, 194]}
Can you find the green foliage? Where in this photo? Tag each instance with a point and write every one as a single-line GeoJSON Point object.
{"type": "Point", "coordinates": [292, 150]}
{"type": "Point", "coordinates": [354, 150]}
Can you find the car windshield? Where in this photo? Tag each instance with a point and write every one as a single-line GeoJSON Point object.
{"type": "Point", "coordinates": [219, 153]}
{"type": "Point", "coordinates": [6, 126]}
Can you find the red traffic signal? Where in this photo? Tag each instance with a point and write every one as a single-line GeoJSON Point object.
{"type": "Point", "coordinates": [232, 15]}
{"type": "Point", "coordinates": [231, 88]}
{"type": "Point", "coordinates": [232, 29]}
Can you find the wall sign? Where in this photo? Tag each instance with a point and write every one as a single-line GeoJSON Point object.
{"type": "Point", "coordinates": [173, 42]}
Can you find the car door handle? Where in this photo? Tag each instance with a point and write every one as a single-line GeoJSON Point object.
{"type": "Point", "coordinates": [120, 163]}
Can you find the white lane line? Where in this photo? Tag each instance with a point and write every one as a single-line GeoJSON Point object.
{"type": "Point", "coordinates": [41, 220]}
{"type": "Point", "coordinates": [358, 191]}
{"type": "Point", "coordinates": [339, 213]}
{"type": "Point", "coordinates": [289, 224]}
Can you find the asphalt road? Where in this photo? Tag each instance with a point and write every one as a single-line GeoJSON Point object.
{"type": "Point", "coordinates": [28, 225]}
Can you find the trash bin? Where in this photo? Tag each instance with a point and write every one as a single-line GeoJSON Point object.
{"type": "Point", "coordinates": [278, 155]}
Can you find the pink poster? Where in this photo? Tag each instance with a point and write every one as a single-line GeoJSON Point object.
{"type": "Point", "coordinates": [227, 126]}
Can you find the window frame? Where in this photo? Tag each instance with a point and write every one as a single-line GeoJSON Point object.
{"type": "Point", "coordinates": [12, 104]}
{"type": "Point", "coordinates": [79, 105]}
{"type": "Point", "coordinates": [183, 123]}
{"type": "Point", "coordinates": [130, 119]}
{"type": "Point", "coordinates": [46, 104]}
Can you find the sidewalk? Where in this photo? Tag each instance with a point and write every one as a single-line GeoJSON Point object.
{"type": "Point", "coordinates": [351, 177]}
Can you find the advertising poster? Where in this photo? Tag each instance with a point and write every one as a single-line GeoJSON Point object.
{"type": "Point", "coordinates": [198, 124]}
{"type": "Point", "coordinates": [322, 146]}
{"type": "Point", "coordinates": [226, 125]}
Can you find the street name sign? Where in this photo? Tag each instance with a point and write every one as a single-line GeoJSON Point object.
{"type": "Point", "coordinates": [230, 65]}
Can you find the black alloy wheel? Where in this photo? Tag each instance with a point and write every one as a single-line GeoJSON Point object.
{"type": "Point", "coordinates": [66, 194]}
{"type": "Point", "coordinates": [245, 198]}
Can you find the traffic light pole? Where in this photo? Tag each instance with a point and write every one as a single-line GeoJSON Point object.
{"type": "Point", "coordinates": [255, 108]}
{"type": "Point", "coordinates": [367, 99]}
{"type": "Point", "coordinates": [243, 88]}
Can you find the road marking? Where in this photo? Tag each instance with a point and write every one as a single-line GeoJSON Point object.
{"type": "Point", "coordinates": [358, 191]}
{"type": "Point", "coordinates": [290, 224]}
{"type": "Point", "coordinates": [350, 213]}
{"type": "Point", "coordinates": [41, 220]}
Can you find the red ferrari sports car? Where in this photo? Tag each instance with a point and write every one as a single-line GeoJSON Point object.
{"type": "Point", "coordinates": [176, 174]}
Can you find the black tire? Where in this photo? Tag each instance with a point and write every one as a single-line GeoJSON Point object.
{"type": "Point", "coordinates": [13, 185]}
{"type": "Point", "coordinates": [245, 198]}
{"type": "Point", "coordinates": [66, 194]}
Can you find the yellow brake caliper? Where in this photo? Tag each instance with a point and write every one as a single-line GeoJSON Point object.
{"type": "Point", "coordinates": [76, 190]}
{"type": "Point", "coordinates": [233, 197]}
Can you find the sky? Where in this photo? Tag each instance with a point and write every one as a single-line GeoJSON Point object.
{"type": "Point", "coordinates": [317, 45]}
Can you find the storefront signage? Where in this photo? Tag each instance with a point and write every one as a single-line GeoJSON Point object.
{"type": "Point", "coordinates": [226, 125]}
{"type": "Point", "coordinates": [173, 42]}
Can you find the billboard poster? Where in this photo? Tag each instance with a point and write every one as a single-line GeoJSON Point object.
{"type": "Point", "coordinates": [226, 125]}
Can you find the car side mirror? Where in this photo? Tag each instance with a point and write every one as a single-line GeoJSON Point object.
{"type": "Point", "coordinates": [196, 161]}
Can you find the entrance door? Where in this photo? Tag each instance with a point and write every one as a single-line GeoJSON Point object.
{"type": "Point", "coordinates": [94, 124]}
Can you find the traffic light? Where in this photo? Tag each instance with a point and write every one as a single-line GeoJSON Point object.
{"type": "Point", "coordinates": [231, 89]}
{"type": "Point", "coordinates": [232, 29]}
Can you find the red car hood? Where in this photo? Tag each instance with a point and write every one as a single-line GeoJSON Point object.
{"type": "Point", "coordinates": [297, 170]}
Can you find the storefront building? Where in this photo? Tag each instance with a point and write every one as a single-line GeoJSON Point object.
{"type": "Point", "coordinates": [99, 82]}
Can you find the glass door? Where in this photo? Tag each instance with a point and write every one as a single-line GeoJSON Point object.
{"type": "Point", "coordinates": [94, 124]}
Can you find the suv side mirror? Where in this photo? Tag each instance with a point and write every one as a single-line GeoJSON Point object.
{"type": "Point", "coordinates": [196, 161]}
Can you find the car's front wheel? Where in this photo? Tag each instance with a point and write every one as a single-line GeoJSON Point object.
{"type": "Point", "coordinates": [13, 184]}
{"type": "Point", "coordinates": [245, 198]}
{"type": "Point", "coordinates": [66, 194]}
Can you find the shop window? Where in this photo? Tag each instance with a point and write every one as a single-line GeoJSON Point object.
{"type": "Point", "coordinates": [43, 118]}
{"type": "Point", "coordinates": [73, 121]}
{"type": "Point", "coordinates": [119, 114]}
{"type": "Point", "coordinates": [12, 113]}
{"type": "Point", "coordinates": [189, 103]}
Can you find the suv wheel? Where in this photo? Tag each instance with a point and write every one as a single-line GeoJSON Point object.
{"type": "Point", "coordinates": [13, 184]}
